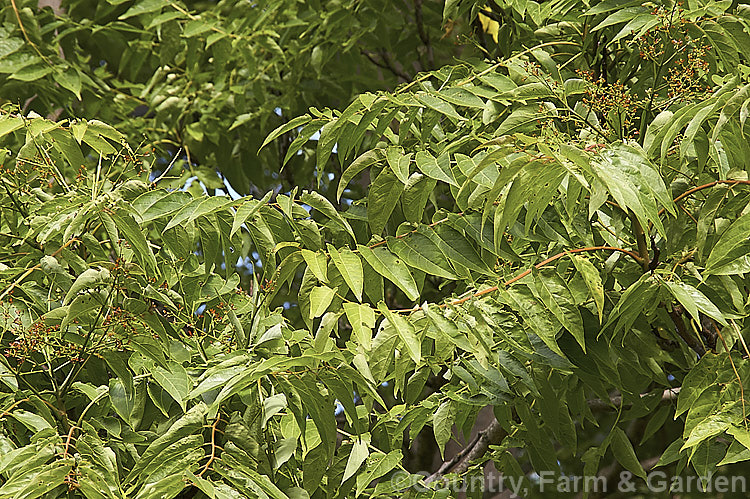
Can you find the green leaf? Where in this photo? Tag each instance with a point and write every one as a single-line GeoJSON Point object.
{"type": "Point", "coordinates": [320, 203]}
{"type": "Point", "coordinates": [32, 421]}
{"type": "Point", "coordinates": [700, 378]}
{"type": "Point", "coordinates": [439, 105]}
{"type": "Point", "coordinates": [357, 456]}
{"type": "Point", "coordinates": [132, 232]}
{"type": "Point", "coordinates": [405, 331]}
{"type": "Point", "coordinates": [415, 196]}
{"type": "Point", "coordinates": [38, 482]}
{"type": "Point", "coordinates": [142, 7]}
{"type": "Point", "coordinates": [166, 488]}
{"type": "Point", "coordinates": [318, 264]}
{"type": "Point", "coordinates": [519, 119]}
{"type": "Point", "coordinates": [89, 279]}
{"type": "Point", "coordinates": [456, 247]}
{"type": "Point", "coordinates": [246, 210]}
{"type": "Point", "coordinates": [209, 205]}
{"type": "Point", "coordinates": [82, 304]}
{"type": "Point", "coordinates": [624, 453]}
{"type": "Point", "coordinates": [9, 123]}
{"type": "Point", "coordinates": [593, 281]}
{"type": "Point", "coordinates": [350, 267]}
{"type": "Point", "coordinates": [694, 301]}
{"type": "Point", "coordinates": [174, 381]}
{"type": "Point", "coordinates": [638, 297]}
{"type": "Point", "coordinates": [153, 205]}
{"type": "Point", "coordinates": [399, 162]}
{"type": "Point", "coordinates": [123, 402]}
{"type": "Point", "coordinates": [434, 168]}
{"type": "Point", "coordinates": [320, 298]}
{"type": "Point", "coordinates": [671, 453]}
{"type": "Point", "coordinates": [634, 183]}
{"type": "Point", "coordinates": [536, 316]}
{"type": "Point", "coordinates": [70, 80]}
{"type": "Point", "coordinates": [386, 264]}
{"type": "Point", "coordinates": [377, 466]}
{"type": "Point", "coordinates": [329, 134]}
{"type": "Point", "coordinates": [418, 251]}
{"type": "Point", "coordinates": [189, 424]}
{"type": "Point", "coordinates": [731, 253]}
{"type": "Point", "coordinates": [556, 296]}
{"type": "Point", "coordinates": [383, 196]}
{"type": "Point", "coordinates": [442, 424]}
{"type": "Point", "coordinates": [320, 408]}
{"type": "Point", "coordinates": [286, 127]}
{"type": "Point", "coordinates": [460, 97]}
{"type": "Point", "coordinates": [366, 160]}
{"type": "Point", "coordinates": [185, 213]}
{"type": "Point", "coordinates": [362, 319]}
{"type": "Point", "coordinates": [449, 9]}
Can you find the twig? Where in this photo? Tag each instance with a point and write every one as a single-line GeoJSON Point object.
{"type": "Point", "coordinates": [523, 274]}
{"type": "Point", "coordinates": [676, 315]}
{"type": "Point", "coordinates": [386, 64]}
{"type": "Point", "coordinates": [704, 186]}
{"type": "Point", "coordinates": [15, 404]}
{"type": "Point", "coordinates": [212, 457]}
{"type": "Point", "coordinates": [492, 435]}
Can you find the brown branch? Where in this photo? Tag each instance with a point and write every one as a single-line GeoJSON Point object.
{"type": "Point", "coordinates": [523, 274]}
{"type": "Point", "coordinates": [676, 315]}
{"type": "Point", "coordinates": [386, 64]}
{"type": "Point", "coordinates": [423, 34]}
{"type": "Point", "coordinates": [493, 434]}
{"type": "Point", "coordinates": [692, 191]}
{"type": "Point", "coordinates": [640, 238]}
{"type": "Point", "coordinates": [67, 441]}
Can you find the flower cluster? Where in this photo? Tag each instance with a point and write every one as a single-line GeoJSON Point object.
{"type": "Point", "coordinates": [610, 99]}
{"type": "Point", "coordinates": [38, 337]}
{"type": "Point", "coordinates": [686, 79]}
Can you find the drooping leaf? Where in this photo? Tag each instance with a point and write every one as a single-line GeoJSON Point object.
{"type": "Point", "coordinates": [731, 253]}
{"type": "Point", "coordinates": [382, 198]}
{"type": "Point", "coordinates": [350, 267]}
{"type": "Point", "coordinates": [389, 266]}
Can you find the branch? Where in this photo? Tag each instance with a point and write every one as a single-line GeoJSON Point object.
{"type": "Point", "coordinates": [692, 191]}
{"type": "Point", "coordinates": [386, 64]}
{"type": "Point", "coordinates": [523, 274]}
{"type": "Point", "coordinates": [615, 401]}
{"type": "Point", "coordinates": [640, 238]}
{"type": "Point", "coordinates": [676, 315]}
{"type": "Point", "coordinates": [423, 34]}
{"type": "Point", "coordinates": [493, 434]}
{"type": "Point", "coordinates": [491, 15]}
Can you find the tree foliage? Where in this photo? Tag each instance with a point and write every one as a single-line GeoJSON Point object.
{"type": "Point", "coordinates": [557, 231]}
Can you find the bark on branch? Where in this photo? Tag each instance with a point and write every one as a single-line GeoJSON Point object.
{"type": "Point", "coordinates": [494, 434]}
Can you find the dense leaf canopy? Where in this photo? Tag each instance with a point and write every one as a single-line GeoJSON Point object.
{"type": "Point", "coordinates": [519, 226]}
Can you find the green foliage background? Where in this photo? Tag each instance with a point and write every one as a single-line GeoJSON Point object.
{"type": "Point", "coordinates": [535, 208]}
